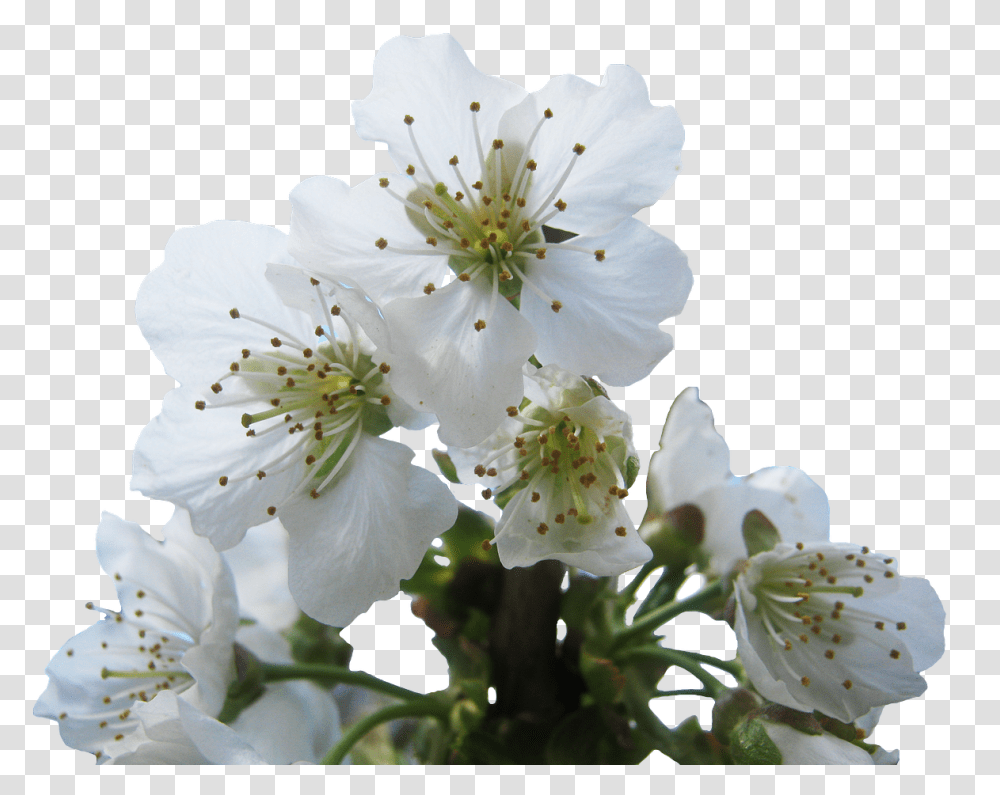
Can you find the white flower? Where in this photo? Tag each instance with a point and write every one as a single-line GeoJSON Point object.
{"type": "Point", "coordinates": [566, 452]}
{"type": "Point", "coordinates": [487, 167]}
{"type": "Point", "coordinates": [174, 633]}
{"type": "Point", "coordinates": [283, 395]}
{"type": "Point", "coordinates": [832, 627]}
{"type": "Point", "coordinates": [692, 468]}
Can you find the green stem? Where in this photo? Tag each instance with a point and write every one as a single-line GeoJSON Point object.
{"type": "Point", "coordinates": [698, 691]}
{"type": "Point", "coordinates": [729, 666]}
{"type": "Point", "coordinates": [647, 722]}
{"type": "Point", "coordinates": [661, 615]}
{"type": "Point", "coordinates": [627, 594]}
{"type": "Point", "coordinates": [334, 675]}
{"type": "Point", "coordinates": [410, 709]}
{"type": "Point", "coordinates": [679, 659]}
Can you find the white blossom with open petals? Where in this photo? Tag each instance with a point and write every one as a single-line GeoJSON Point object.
{"type": "Point", "coordinates": [566, 454]}
{"type": "Point", "coordinates": [488, 169]}
{"type": "Point", "coordinates": [174, 633]}
{"type": "Point", "coordinates": [692, 468]}
{"type": "Point", "coordinates": [284, 391]}
{"type": "Point", "coordinates": [832, 627]}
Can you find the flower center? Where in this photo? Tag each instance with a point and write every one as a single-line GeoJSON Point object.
{"type": "Point", "coordinates": [486, 229]}
{"type": "Point", "coordinates": [324, 396]}
{"type": "Point", "coordinates": [574, 470]}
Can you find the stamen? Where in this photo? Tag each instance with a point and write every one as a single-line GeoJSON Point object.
{"type": "Point", "coordinates": [416, 148]}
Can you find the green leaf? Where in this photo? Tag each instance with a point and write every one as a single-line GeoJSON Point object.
{"type": "Point", "coordinates": [313, 642]}
{"type": "Point", "coordinates": [758, 533]}
{"type": "Point", "coordinates": [508, 493]}
{"type": "Point", "coordinates": [446, 465]}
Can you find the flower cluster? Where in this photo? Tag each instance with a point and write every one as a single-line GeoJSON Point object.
{"type": "Point", "coordinates": [494, 285]}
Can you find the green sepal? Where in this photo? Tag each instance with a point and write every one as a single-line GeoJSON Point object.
{"type": "Point", "coordinates": [446, 465]}
{"type": "Point", "coordinates": [246, 688]}
{"type": "Point", "coordinates": [313, 642]}
{"type": "Point", "coordinates": [632, 467]}
{"type": "Point", "coordinates": [759, 534]}
{"type": "Point", "coordinates": [751, 745]}
{"type": "Point", "coordinates": [731, 707]}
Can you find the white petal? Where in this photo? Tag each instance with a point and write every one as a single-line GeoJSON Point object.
{"type": "Point", "coordinates": [260, 567]}
{"type": "Point", "coordinates": [432, 80]}
{"type": "Point", "coordinates": [183, 452]}
{"type": "Point", "coordinates": [173, 732]}
{"type": "Point", "coordinates": [594, 547]}
{"type": "Point", "coordinates": [798, 748]}
{"type": "Point", "coordinates": [352, 546]}
{"type": "Point", "coordinates": [883, 757]}
{"type": "Point", "coordinates": [787, 496]}
{"type": "Point", "coordinates": [443, 365]}
{"type": "Point", "coordinates": [633, 149]}
{"type": "Point", "coordinates": [183, 306]}
{"type": "Point", "coordinates": [552, 386]}
{"type": "Point", "coordinates": [692, 457]}
{"type": "Point", "coordinates": [609, 321]}
{"type": "Point", "coordinates": [334, 229]}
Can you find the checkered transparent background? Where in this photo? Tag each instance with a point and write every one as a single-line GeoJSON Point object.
{"type": "Point", "coordinates": [838, 204]}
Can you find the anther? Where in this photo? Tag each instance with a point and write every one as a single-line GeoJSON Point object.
{"type": "Point", "coordinates": [432, 241]}
{"type": "Point", "coordinates": [314, 494]}
{"type": "Point", "coordinates": [521, 202]}
{"type": "Point", "coordinates": [385, 400]}
{"type": "Point", "coordinates": [540, 253]}
{"type": "Point", "coordinates": [223, 480]}
{"type": "Point", "coordinates": [275, 402]}
{"type": "Point", "coordinates": [491, 472]}
{"type": "Point", "coordinates": [474, 107]}
{"type": "Point", "coordinates": [479, 325]}
{"type": "Point", "coordinates": [620, 531]}
{"type": "Point", "coordinates": [310, 459]}
{"type": "Point", "coordinates": [579, 149]}
{"type": "Point", "coordinates": [458, 197]}
{"type": "Point", "coordinates": [894, 654]}
{"type": "Point", "coordinates": [334, 310]}
{"type": "Point", "coordinates": [805, 681]}
{"type": "Point", "coordinates": [556, 306]}
{"type": "Point", "coordinates": [535, 496]}
{"type": "Point", "coordinates": [234, 313]}
{"type": "Point", "coordinates": [383, 182]}
{"type": "Point", "coordinates": [275, 342]}
{"type": "Point", "coordinates": [480, 470]}
{"type": "Point", "coordinates": [848, 684]}
{"type": "Point", "coordinates": [313, 282]}
{"type": "Point", "coordinates": [900, 625]}
{"type": "Point", "coordinates": [408, 119]}
{"type": "Point", "coordinates": [599, 255]}
{"type": "Point", "coordinates": [272, 511]}
{"type": "Point", "coordinates": [453, 161]}
{"type": "Point", "coordinates": [548, 113]}
{"type": "Point", "coordinates": [531, 165]}
{"type": "Point", "coordinates": [511, 411]}
{"type": "Point", "coordinates": [234, 367]}
{"type": "Point", "coordinates": [828, 654]}
{"type": "Point", "coordinates": [497, 143]}
{"type": "Point", "coordinates": [487, 494]}
{"type": "Point", "coordinates": [506, 246]}
{"type": "Point", "coordinates": [200, 405]}
{"type": "Point", "coordinates": [543, 529]}
{"type": "Point", "coordinates": [464, 243]}
{"type": "Point", "coordinates": [381, 243]}
{"type": "Point", "coordinates": [410, 171]}
{"type": "Point", "coordinates": [477, 185]}
{"type": "Point", "coordinates": [217, 388]}
{"type": "Point", "coordinates": [560, 205]}
{"type": "Point", "coordinates": [246, 353]}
